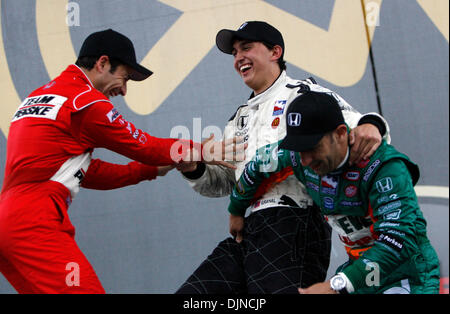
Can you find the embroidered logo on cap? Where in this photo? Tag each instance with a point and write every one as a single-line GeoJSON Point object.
{"type": "Point", "coordinates": [243, 25]}
{"type": "Point", "coordinates": [294, 119]}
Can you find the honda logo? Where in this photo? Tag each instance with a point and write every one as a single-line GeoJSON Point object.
{"type": "Point", "coordinates": [384, 185]}
{"type": "Point", "coordinates": [242, 122]}
{"type": "Point", "coordinates": [294, 119]}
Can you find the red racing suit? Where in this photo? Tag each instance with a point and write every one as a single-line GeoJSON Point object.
{"type": "Point", "coordinates": [51, 139]}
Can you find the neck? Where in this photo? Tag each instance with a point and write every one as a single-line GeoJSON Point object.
{"type": "Point", "coordinates": [273, 76]}
{"type": "Point", "coordinates": [88, 74]}
{"type": "Point", "coordinates": [94, 78]}
{"type": "Point", "coordinates": [344, 160]}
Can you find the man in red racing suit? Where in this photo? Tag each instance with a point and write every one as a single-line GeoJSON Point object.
{"type": "Point", "coordinates": [51, 139]}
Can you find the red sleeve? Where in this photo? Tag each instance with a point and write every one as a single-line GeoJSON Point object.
{"type": "Point", "coordinates": [103, 175]}
{"type": "Point", "coordinates": [101, 125]}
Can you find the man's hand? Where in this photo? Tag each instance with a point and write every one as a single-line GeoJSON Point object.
{"type": "Point", "coordinates": [364, 141]}
{"type": "Point", "coordinates": [236, 227]}
{"type": "Point", "coordinates": [318, 288]}
{"type": "Point", "coordinates": [215, 153]}
{"type": "Point", "coordinates": [231, 149]}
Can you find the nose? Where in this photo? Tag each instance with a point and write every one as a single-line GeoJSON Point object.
{"type": "Point", "coordinates": [237, 53]}
{"type": "Point", "coordinates": [306, 158]}
{"type": "Point", "coordinates": [237, 58]}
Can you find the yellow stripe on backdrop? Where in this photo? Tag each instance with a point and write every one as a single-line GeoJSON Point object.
{"type": "Point", "coordinates": [338, 54]}
{"type": "Point", "coordinates": [437, 11]}
{"type": "Point", "coordinates": [54, 36]}
{"type": "Point", "coordinates": [309, 47]}
{"type": "Point", "coordinates": [192, 36]}
{"type": "Point", "coordinates": [432, 191]}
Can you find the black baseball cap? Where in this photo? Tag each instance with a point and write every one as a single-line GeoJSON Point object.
{"type": "Point", "coordinates": [114, 45]}
{"type": "Point", "coordinates": [253, 31]}
{"type": "Point", "coordinates": [308, 118]}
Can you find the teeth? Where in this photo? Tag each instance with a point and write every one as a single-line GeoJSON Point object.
{"type": "Point", "coordinates": [244, 67]}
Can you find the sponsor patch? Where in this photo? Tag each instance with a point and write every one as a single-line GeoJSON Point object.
{"type": "Point", "coordinates": [389, 207]}
{"type": "Point", "coordinates": [329, 191]}
{"type": "Point", "coordinates": [329, 185]}
{"type": "Point", "coordinates": [384, 185]}
{"type": "Point", "coordinates": [278, 109]}
{"type": "Point", "coordinates": [350, 203]}
{"type": "Point", "coordinates": [293, 160]}
{"type": "Point", "coordinates": [49, 85]}
{"type": "Point", "coordinates": [387, 198]}
{"type": "Point", "coordinates": [247, 179]}
{"type": "Point", "coordinates": [294, 119]}
{"type": "Point", "coordinates": [275, 123]}
{"type": "Point", "coordinates": [43, 106]}
{"type": "Point", "coordinates": [311, 174]}
{"type": "Point", "coordinates": [391, 241]}
{"type": "Point", "coordinates": [242, 122]}
{"type": "Point", "coordinates": [389, 224]}
{"type": "Point", "coordinates": [328, 202]}
{"type": "Point", "coordinates": [268, 201]}
{"type": "Point", "coordinates": [143, 138]}
{"type": "Point", "coordinates": [329, 182]}
{"type": "Point", "coordinates": [312, 186]}
{"type": "Point", "coordinates": [113, 115]}
{"type": "Point", "coordinates": [129, 127]}
{"type": "Point", "coordinates": [239, 188]}
{"type": "Point", "coordinates": [352, 175]}
{"type": "Point", "coordinates": [371, 169]}
{"type": "Point", "coordinates": [393, 215]}
{"type": "Point", "coordinates": [351, 190]}
{"type": "Point", "coordinates": [363, 163]}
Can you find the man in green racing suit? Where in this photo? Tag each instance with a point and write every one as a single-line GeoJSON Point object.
{"type": "Point", "coordinates": [372, 205]}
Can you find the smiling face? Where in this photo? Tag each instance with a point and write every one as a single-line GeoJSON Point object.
{"type": "Point", "coordinates": [256, 64]}
{"type": "Point", "coordinates": [326, 156]}
{"type": "Point", "coordinates": [110, 83]}
{"type": "Point", "coordinates": [115, 83]}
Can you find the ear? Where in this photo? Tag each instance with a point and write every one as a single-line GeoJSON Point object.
{"type": "Point", "coordinates": [101, 63]}
{"type": "Point", "coordinates": [341, 133]}
{"type": "Point", "coordinates": [277, 52]}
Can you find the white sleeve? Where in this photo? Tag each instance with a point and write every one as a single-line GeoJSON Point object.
{"type": "Point", "coordinates": [387, 134]}
{"type": "Point", "coordinates": [212, 180]}
{"type": "Point", "coordinates": [352, 116]}
{"type": "Point", "coordinates": [216, 181]}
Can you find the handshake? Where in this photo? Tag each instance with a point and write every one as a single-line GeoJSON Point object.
{"type": "Point", "coordinates": [211, 152]}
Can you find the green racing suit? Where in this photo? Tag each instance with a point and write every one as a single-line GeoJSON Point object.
{"type": "Point", "coordinates": [373, 208]}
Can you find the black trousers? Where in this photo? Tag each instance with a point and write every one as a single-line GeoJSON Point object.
{"type": "Point", "coordinates": [284, 248]}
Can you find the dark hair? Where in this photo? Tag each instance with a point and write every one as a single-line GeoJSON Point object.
{"type": "Point", "coordinates": [88, 63]}
{"type": "Point", "coordinates": [281, 61]}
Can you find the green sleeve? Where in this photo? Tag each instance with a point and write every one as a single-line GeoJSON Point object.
{"type": "Point", "coordinates": [267, 161]}
{"type": "Point", "coordinates": [396, 217]}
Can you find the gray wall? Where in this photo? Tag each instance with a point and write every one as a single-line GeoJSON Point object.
{"type": "Point", "coordinates": [149, 238]}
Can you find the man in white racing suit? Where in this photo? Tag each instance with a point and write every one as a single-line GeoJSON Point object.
{"type": "Point", "coordinates": [284, 243]}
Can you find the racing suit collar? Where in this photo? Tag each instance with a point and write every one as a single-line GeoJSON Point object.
{"type": "Point", "coordinates": [76, 72]}
{"type": "Point", "coordinates": [260, 98]}
{"type": "Point", "coordinates": [342, 165]}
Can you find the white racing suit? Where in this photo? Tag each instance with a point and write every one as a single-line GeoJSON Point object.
{"type": "Point", "coordinates": [296, 229]}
